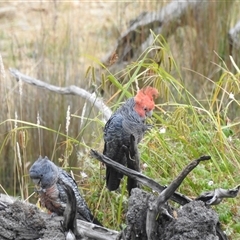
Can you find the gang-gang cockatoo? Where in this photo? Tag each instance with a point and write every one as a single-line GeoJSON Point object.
{"type": "Point", "coordinates": [49, 179]}
{"type": "Point", "coordinates": [129, 119]}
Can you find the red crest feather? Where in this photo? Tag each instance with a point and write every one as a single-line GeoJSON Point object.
{"type": "Point", "coordinates": [150, 92]}
{"type": "Point", "coordinates": [145, 100]}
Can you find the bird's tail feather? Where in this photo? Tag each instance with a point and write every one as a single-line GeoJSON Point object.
{"type": "Point", "coordinates": [113, 179]}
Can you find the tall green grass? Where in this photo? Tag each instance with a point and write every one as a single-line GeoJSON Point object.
{"type": "Point", "coordinates": [196, 113]}
{"type": "Point", "coordinates": [184, 128]}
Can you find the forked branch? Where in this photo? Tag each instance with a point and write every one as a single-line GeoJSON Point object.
{"type": "Point", "coordinates": [176, 197]}
{"type": "Point", "coordinates": [157, 206]}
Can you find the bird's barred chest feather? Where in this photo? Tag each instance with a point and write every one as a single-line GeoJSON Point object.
{"type": "Point", "coordinates": [49, 199]}
{"type": "Point", "coordinates": [49, 180]}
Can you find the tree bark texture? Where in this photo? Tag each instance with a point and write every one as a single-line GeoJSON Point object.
{"type": "Point", "coordinates": [24, 221]}
{"type": "Point", "coordinates": [193, 221]}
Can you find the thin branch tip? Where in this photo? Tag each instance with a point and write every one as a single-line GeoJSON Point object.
{"type": "Point", "coordinates": [94, 153]}
{"type": "Point", "coordinates": [204, 158]}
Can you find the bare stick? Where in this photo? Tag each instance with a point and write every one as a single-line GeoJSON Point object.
{"type": "Point", "coordinates": [156, 206]}
{"type": "Point", "coordinates": [70, 90]}
{"type": "Point", "coordinates": [176, 197]}
{"type": "Point", "coordinates": [92, 231]}
{"type": "Point", "coordinates": [70, 213]}
{"type": "Point", "coordinates": [216, 196]}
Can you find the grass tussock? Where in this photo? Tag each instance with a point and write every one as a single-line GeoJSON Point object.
{"type": "Point", "coordinates": [197, 112]}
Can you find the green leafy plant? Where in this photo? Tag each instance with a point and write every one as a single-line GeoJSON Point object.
{"type": "Point", "coordinates": [186, 124]}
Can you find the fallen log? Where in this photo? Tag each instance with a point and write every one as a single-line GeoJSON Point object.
{"type": "Point", "coordinates": [192, 221]}
{"type": "Point", "coordinates": [138, 36]}
{"type": "Point", "coordinates": [195, 220]}
{"type": "Point", "coordinates": [24, 221]}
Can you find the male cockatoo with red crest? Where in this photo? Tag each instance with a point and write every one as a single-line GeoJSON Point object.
{"type": "Point", "coordinates": [128, 120]}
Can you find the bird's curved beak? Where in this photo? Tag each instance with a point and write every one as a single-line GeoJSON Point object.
{"type": "Point", "coordinates": [149, 113]}
{"type": "Point", "coordinates": [36, 181]}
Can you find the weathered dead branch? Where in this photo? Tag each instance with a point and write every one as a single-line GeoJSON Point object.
{"type": "Point", "coordinates": [72, 90]}
{"type": "Point", "coordinates": [157, 207]}
{"type": "Point", "coordinates": [26, 221]}
{"type": "Point", "coordinates": [176, 197]}
{"type": "Point", "coordinates": [164, 22]}
{"type": "Point", "coordinates": [138, 221]}
{"type": "Point", "coordinates": [217, 195]}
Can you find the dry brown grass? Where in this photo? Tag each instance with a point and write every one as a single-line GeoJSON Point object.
{"type": "Point", "coordinates": [57, 42]}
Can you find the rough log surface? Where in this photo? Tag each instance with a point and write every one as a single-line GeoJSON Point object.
{"type": "Point", "coordinates": [193, 221]}
{"type": "Point", "coordinates": [20, 220]}
{"type": "Point", "coordinates": [138, 221]}
{"type": "Point", "coordinates": [24, 221]}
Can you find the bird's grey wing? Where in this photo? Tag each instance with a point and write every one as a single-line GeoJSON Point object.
{"type": "Point", "coordinates": [113, 148]}
{"type": "Point", "coordinates": [82, 207]}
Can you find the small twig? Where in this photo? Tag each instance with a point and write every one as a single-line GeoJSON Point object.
{"type": "Point", "coordinates": [2, 205]}
{"type": "Point", "coordinates": [70, 90]}
{"type": "Point", "coordinates": [216, 196]}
